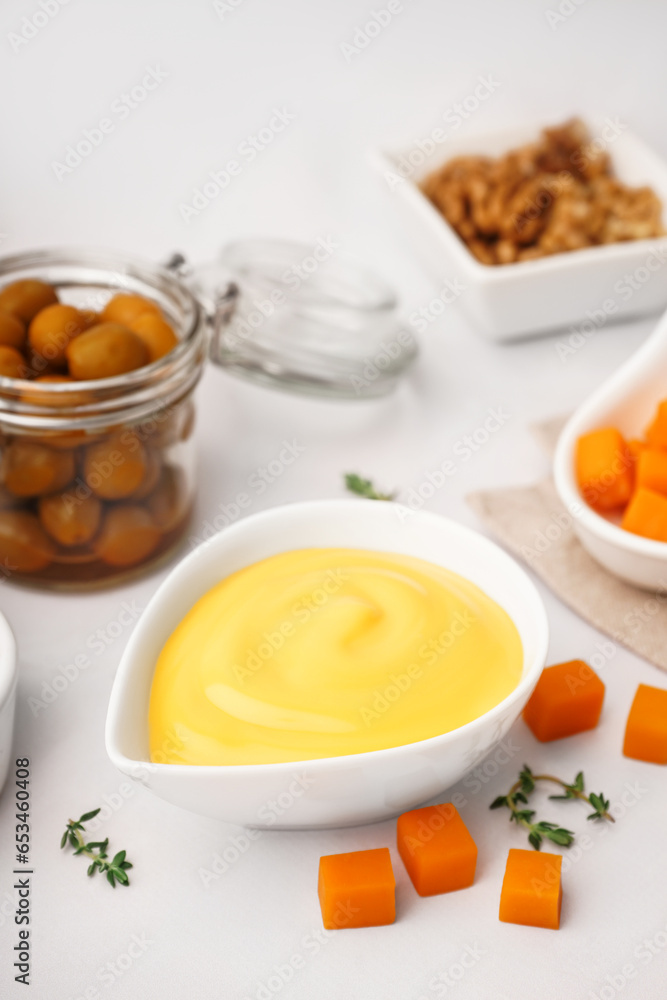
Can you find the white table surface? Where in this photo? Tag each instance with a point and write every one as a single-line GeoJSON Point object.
{"type": "Point", "coordinates": [225, 75]}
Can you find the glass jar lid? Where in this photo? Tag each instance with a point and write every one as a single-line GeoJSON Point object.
{"type": "Point", "coordinates": [299, 317]}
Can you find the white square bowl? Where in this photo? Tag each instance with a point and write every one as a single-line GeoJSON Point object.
{"type": "Point", "coordinates": [508, 301]}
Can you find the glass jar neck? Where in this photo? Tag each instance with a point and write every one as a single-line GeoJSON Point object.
{"type": "Point", "coordinates": [87, 278]}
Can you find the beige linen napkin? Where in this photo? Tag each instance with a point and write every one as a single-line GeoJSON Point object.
{"type": "Point", "coordinates": [534, 525]}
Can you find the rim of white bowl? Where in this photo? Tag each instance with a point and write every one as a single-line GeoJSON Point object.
{"type": "Point", "coordinates": [527, 682]}
{"type": "Point", "coordinates": [8, 665]}
{"type": "Point", "coordinates": [583, 420]}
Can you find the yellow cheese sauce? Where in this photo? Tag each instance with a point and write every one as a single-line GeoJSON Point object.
{"type": "Point", "coordinates": [325, 652]}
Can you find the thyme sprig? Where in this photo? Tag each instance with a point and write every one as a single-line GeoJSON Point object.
{"type": "Point", "coordinates": [517, 798]}
{"type": "Point", "coordinates": [365, 488]}
{"type": "Point", "coordinates": [115, 870]}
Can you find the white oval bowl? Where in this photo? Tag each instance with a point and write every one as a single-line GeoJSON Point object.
{"type": "Point", "coordinates": [332, 791]}
{"type": "Point", "coordinates": [627, 401]}
{"type": "Point", "coordinates": [8, 674]}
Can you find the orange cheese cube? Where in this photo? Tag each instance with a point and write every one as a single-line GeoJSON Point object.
{"type": "Point", "coordinates": [567, 700]}
{"type": "Point", "coordinates": [646, 515]}
{"type": "Point", "coordinates": [357, 889]}
{"type": "Point", "coordinates": [651, 470]}
{"type": "Point", "coordinates": [603, 467]}
{"type": "Point", "coordinates": [646, 728]}
{"type": "Point", "coordinates": [437, 849]}
{"type": "Point", "coordinates": [531, 892]}
{"type": "Point", "coordinates": [635, 448]}
{"type": "Point", "coordinates": [656, 432]}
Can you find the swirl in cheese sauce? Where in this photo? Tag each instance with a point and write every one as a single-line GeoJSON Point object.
{"type": "Point", "coordinates": [326, 652]}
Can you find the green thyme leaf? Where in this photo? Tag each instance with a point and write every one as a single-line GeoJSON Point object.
{"type": "Point", "coordinates": [365, 488]}
{"type": "Point", "coordinates": [526, 779]}
{"type": "Point", "coordinates": [89, 815]}
{"type": "Point", "coordinates": [560, 836]}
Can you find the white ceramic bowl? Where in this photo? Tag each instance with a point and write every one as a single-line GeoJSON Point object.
{"type": "Point", "coordinates": [335, 791]}
{"type": "Point", "coordinates": [530, 297]}
{"type": "Point", "coordinates": [627, 401]}
{"type": "Point", "coordinates": [8, 674]}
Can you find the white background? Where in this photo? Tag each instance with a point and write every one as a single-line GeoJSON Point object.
{"type": "Point", "coordinates": [225, 75]}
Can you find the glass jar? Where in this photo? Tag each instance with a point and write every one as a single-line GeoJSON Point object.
{"type": "Point", "coordinates": [285, 314]}
{"type": "Point", "coordinates": [64, 447]}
